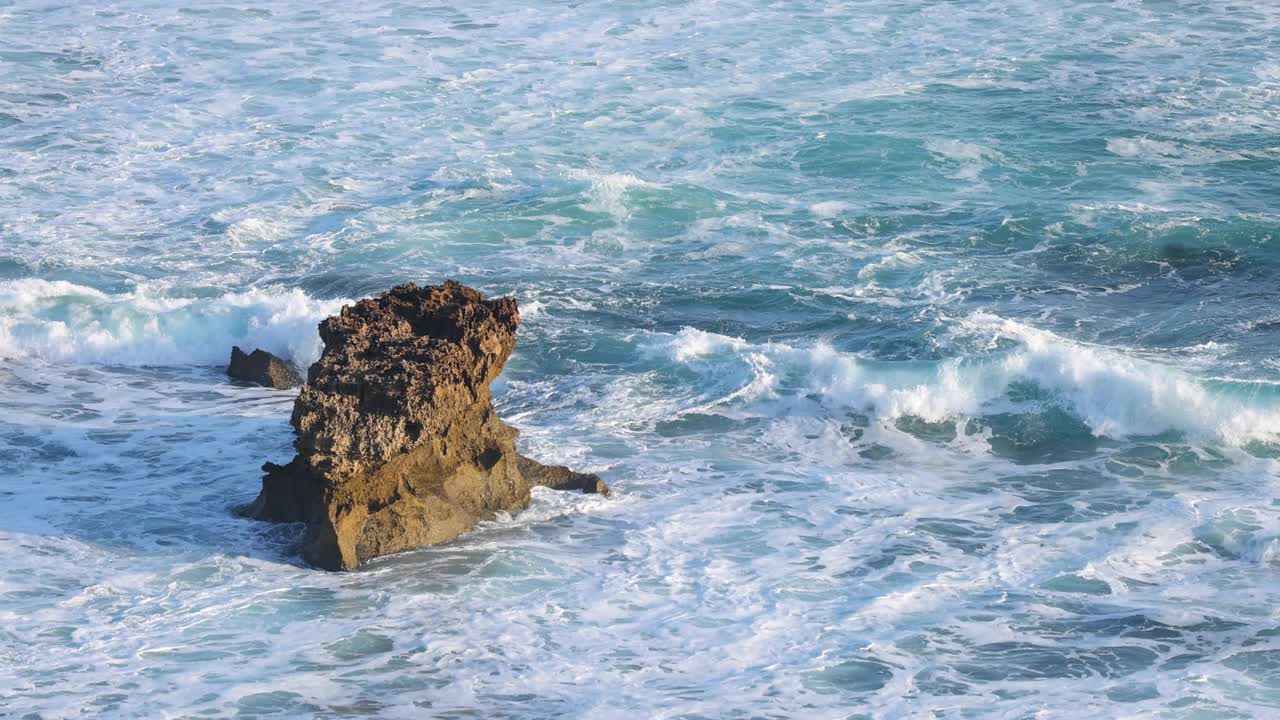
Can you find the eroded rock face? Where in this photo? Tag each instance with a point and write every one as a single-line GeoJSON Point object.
{"type": "Point", "coordinates": [263, 368]}
{"type": "Point", "coordinates": [398, 442]}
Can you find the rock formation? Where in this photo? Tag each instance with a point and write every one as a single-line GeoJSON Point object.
{"type": "Point", "coordinates": [398, 443]}
{"type": "Point", "coordinates": [263, 368]}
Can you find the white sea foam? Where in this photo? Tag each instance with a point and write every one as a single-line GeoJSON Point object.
{"type": "Point", "coordinates": [609, 191]}
{"type": "Point", "coordinates": [895, 260]}
{"type": "Point", "coordinates": [828, 208]}
{"type": "Point", "coordinates": [1174, 153]}
{"type": "Point", "coordinates": [60, 321]}
{"type": "Point", "coordinates": [250, 231]}
{"type": "Point", "coordinates": [972, 158]}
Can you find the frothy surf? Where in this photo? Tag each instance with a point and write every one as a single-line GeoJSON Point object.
{"type": "Point", "coordinates": [62, 322]}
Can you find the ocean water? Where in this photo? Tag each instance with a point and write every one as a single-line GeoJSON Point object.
{"type": "Point", "coordinates": [930, 349]}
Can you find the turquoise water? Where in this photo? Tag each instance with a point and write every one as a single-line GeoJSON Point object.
{"type": "Point", "coordinates": [930, 349]}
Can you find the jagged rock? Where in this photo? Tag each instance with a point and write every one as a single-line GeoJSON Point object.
{"type": "Point", "coordinates": [398, 443]}
{"type": "Point", "coordinates": [560, 477]}
{"type": "Point", "coordinates": [263, 368]}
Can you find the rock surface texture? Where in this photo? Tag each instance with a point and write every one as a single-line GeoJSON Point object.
{"type": "Point", "coordinates": [398, 443]}
{"type": "Point", "coordinates": [263, 368]}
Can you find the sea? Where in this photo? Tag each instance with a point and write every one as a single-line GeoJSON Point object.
{"type": "Point", "coordinates": [930, 349]}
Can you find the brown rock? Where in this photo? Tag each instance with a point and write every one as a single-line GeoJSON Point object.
{"type": "Point", "coordinates": [263, 368]}
{"type": "Point", "coordinates": [398, 442]}
{"type": "Point", "coordinates": [559, 477]}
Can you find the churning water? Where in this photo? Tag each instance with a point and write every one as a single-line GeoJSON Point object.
{"type": "Point", "coordinates": [929, 347]}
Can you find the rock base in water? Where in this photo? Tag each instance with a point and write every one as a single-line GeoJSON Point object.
{"type": "Point", "coordinates": [263, 368]}
{"type": "Point", "coordinates": [398, 443]}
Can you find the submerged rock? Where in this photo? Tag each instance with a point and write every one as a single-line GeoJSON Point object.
{"type": "Point", "coordinates": [398, 443]}
{"type": "Point", "coordinates": [263, 368]}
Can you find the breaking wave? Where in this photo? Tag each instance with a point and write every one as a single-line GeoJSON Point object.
{"type": "Point", "coordinates": [1018, 368]}
{"type": "Point", "coordinates": [63, 322]}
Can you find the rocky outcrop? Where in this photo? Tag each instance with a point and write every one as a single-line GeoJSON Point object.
{"type": "Point", "coordinates": [263, 368]}
{"type": "Point", "coordinates": [398, 442]}
{"type": "Point", "coordinates": [560, 477]}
